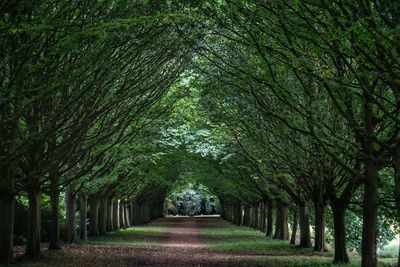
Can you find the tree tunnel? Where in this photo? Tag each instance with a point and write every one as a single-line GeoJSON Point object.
{"type": "Point", "coordinates": [187, 177]}
{"type": "Point", "coordinates": [288, 112]}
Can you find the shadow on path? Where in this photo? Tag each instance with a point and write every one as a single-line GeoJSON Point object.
{"type": "Point", "coordinates": [170, 241]}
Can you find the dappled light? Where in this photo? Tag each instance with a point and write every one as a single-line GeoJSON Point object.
{"type": "Point", "coordinates": [200, 133]}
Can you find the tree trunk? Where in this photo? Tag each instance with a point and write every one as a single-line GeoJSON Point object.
{"type": "Point", "coordinates": [233, 213]}
{"type": "Point", "coordinates": [339, 233]}
{"type": "Point", "coordinates": [126, 215]}
{"type": "Point", "coordinates": [370, 207]}
{"type": "Point", "coordinates": [238, 214]}
{"type": "Point", "coordinates": [278, 224]}
{"type": "Point", "coordinates": [370, 201]}
{"type": "Point", "coordinates": [284, 221]}
{"type": "Point", "coordinates": [245, 216]}
{"type": "Point", "coordinates": [143, 213]}
{"type": "Point", "coordinates": [263, 216]}
{"type": "Point", "coordinates": [116, 215]}
{"type": "Point", "coordinates": [83, 217]}
{"type": "Point", "coordinates": [222, 212]}
{"type": "Point", "coordinates": [32, 251]}
{"type": "Point", "coordinates": [94, 215]}
{"type": "Point", "coordinates": [258, 226]}
{"type": "Point", "coordinates": [127, 221]}
{"type": "Point", "coordinates": [132, 214]}
{"type": "Point", "coordinates": [260, 216]}
{"type": "Point", "coordinates": [103, 216]}
{"type": "Point", "coordinates": [251, 223]}
{"type": "Point", "coordinates": [110, 226]}
{"type": "Point", "coordinates": [281, 222]}
{"type": "Point", "coordinates": [70, 206]}
{"type": "Point", "coordinates": [294, 229]}
{"type": "Point", "coordinates": [240, 211]}
{"type": "Point", "coordinates": [55, 212]}
{"type": "Point", "coordinates": [6, 229]}
{"type": "Point", "coordinates": [136, 213]}
{"type": "Point", "coordinates": [270, 220]}
{"type": "Point", "coordinates": [147, 213]}
{"type": "Point", "coordinates": [255, 226]}
{"type": "Point", "coordinates": [122, 215]}
{"type": "Point", "coordinates": [320, 244]}
{"type": "Point", "coordinates": [304, 223]}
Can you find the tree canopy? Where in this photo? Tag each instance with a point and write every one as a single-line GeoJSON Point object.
{"type": "Point", "coordinates": [287, 111]}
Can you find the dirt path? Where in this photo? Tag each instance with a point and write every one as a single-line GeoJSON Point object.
{"type": "Point", "coordinates": [184, 245]}
{"type": "Point", "coordinates": [178, 243]}
{"type": "Point", "coordinates": [184, 234]}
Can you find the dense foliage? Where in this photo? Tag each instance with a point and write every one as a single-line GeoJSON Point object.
{"type": "Point", "coordinates": [190, 201]}
{"type": "Point", "coordinates": [287, 111]}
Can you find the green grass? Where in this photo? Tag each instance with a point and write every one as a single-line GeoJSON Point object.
{"type": "Point", "coordinates": [140, 236]}
{"type": "Point", "coordinates": [233, 239]}
{"type": "Point", "coordinates": [251, 247]}
{"type": "Point", "coordinates": [296, 262]}
{"type": "Point", "coordinates": [311, 262]}
{"type": "Point", "coordinates": [244, 239]}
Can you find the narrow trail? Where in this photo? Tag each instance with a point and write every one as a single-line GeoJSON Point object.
{"type": "Point", "coordinates": [184, 245]}
{"type": "Point", "coordinates": [184, 234]}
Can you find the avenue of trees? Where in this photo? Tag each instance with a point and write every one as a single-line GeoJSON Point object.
{"type": "Point", "coordinates": [287, 111]}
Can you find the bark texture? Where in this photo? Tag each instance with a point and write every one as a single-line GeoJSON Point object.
{"type": "Point", "coordinates": [370, 208]}
{"type": "Point", "coordinates": [116, 215]}
{"type": "Point", "coordinates": [370, 201]}
{"type": "Point", "coordinates": [94, 215]}
{"type": "Point", "coordinates": [110, 226]}
{"type": "Point", "coordinates": [338, 211]}
{"type": "Point", "coordinates": [55, 212]}
{"type": "Point", "coordinates": [294, 229]}
{"type": "Point", "coordinates": [70, 205]}
{"type": "Point", "coordinates": [83, 217]}
{"type": "Point", "coordinates": [103, 216]}
{"type": "Point", "coordinates": [270, 220]}
{"type": "Point", "coordinates": [304, 224]}
{"type": "Point", "coordinates": [6, 229]}
{"type": "Point", "coordinates": [320, 237]}
{"type": "Point", "coordinates": [32, 251]}
{"type": "Point", "coordinates": [281, 222]}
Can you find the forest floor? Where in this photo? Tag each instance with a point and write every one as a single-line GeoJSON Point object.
{"type": "Point", "coordinates": [186, 241]}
